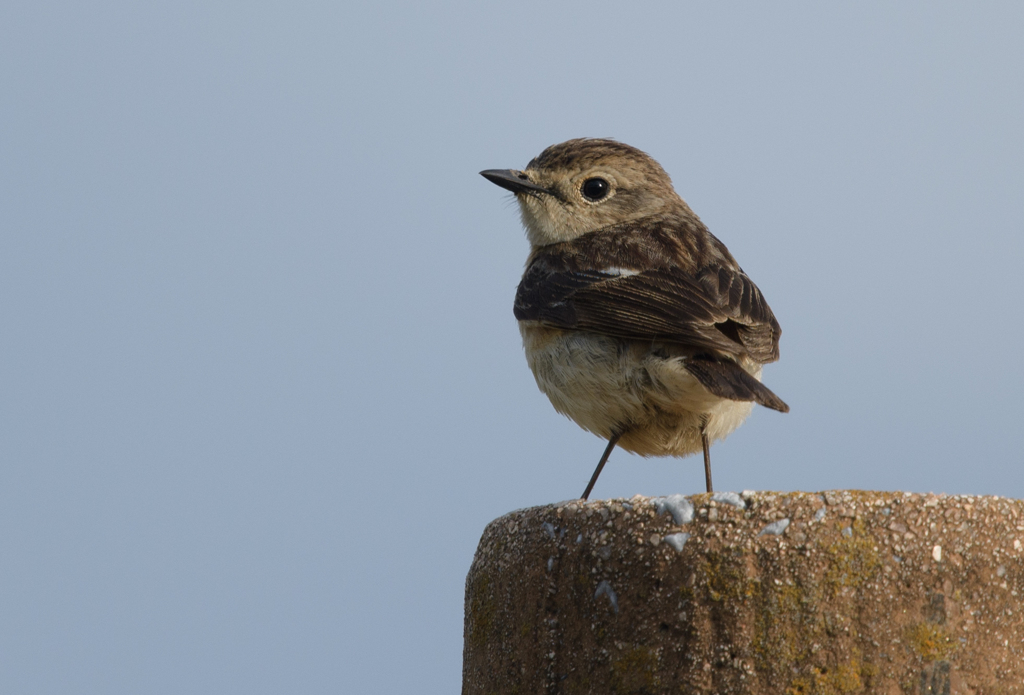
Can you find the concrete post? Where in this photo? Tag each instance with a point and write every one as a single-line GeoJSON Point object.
{"type": "Point", "coordinates": [759, 594]}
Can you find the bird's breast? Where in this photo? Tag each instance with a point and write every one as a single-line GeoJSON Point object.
{"type": "Point", "coordinates": [607, 384]}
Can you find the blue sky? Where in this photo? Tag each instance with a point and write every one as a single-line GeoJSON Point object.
{"type": "Point", "coordinates": [262, 385]}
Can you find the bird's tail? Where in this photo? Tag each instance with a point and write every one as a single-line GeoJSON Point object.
{"type": "Point", "coordinates": [726, 379]}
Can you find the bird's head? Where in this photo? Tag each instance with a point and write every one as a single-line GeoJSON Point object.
{"type": "Point", "coordinates": [583, 185]}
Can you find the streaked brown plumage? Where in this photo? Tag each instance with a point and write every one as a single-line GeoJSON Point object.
{"type": "Point", "coordinates": [637, 322]}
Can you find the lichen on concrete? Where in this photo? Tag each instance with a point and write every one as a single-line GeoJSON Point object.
{"type": "Point", "coordinates": [862, 592]}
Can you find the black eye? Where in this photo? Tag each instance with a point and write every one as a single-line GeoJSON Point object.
{"type": "Point", "coordinates": [595, 189]}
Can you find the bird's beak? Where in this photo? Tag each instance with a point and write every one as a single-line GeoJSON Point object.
{"type": "Point", "coordinates": [515, 181]}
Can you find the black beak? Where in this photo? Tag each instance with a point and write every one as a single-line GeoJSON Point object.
{"type": "Point", "coordinates": [512, 180]}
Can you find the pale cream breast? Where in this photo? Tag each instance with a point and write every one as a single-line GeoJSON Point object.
{"type": "Point", "coordinates": [607, 384]}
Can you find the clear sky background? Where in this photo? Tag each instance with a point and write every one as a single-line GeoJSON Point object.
{"type": "Point", "coordinates": [262, 388]}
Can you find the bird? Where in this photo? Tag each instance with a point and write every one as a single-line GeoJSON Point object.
{"type": "Point", "coordinates": [637, 322]}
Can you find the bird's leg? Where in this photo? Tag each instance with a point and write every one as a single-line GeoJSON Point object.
{"type": "Point", "coordinates": [707, 457]}
{"type": "Point", "coordinates": [604, 459]}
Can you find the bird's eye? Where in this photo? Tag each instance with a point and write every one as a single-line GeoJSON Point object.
{"type": "Point", "coordinates": [594, 189]}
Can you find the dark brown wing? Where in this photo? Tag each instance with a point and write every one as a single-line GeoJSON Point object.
{"type": "Point", "coordinates": [719, 309]}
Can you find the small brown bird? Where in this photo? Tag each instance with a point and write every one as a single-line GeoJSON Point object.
{"type": "Point", "coordinates": [637, 322]}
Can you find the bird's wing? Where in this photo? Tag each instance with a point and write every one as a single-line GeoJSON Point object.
{"type": "Point", "coordinates": [718, 309]}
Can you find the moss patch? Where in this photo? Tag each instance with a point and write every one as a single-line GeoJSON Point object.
{"type": "Point", "coordinates": [636, 671]}
{"type": "Point", "coordinates": [727, 578]}
{"type": "Point", "coordinates": [850, 677]}
{"type": "Point", "coordinates": [930, 641]}
{"type": "Point", "coordinates": [852, 560]}
{"type": "Point", "coordinates": [785, 629]}
{"type": "Point", "coordinates": [482, 611]}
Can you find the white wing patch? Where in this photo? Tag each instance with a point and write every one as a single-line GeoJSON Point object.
{"type": "Point", "coordinates": [615, 271]}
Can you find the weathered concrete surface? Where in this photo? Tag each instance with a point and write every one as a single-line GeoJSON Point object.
{"type": "Point", "coordinates": [863, 592]}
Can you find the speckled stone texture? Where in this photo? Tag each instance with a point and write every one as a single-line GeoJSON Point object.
{"type": "Point", "coordinates": [862, 592]}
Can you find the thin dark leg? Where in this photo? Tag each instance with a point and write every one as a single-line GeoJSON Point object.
{"type": "Point", "coordinates": [707, 458]}
{"type": "Point", "coordinates": [600, 465]}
